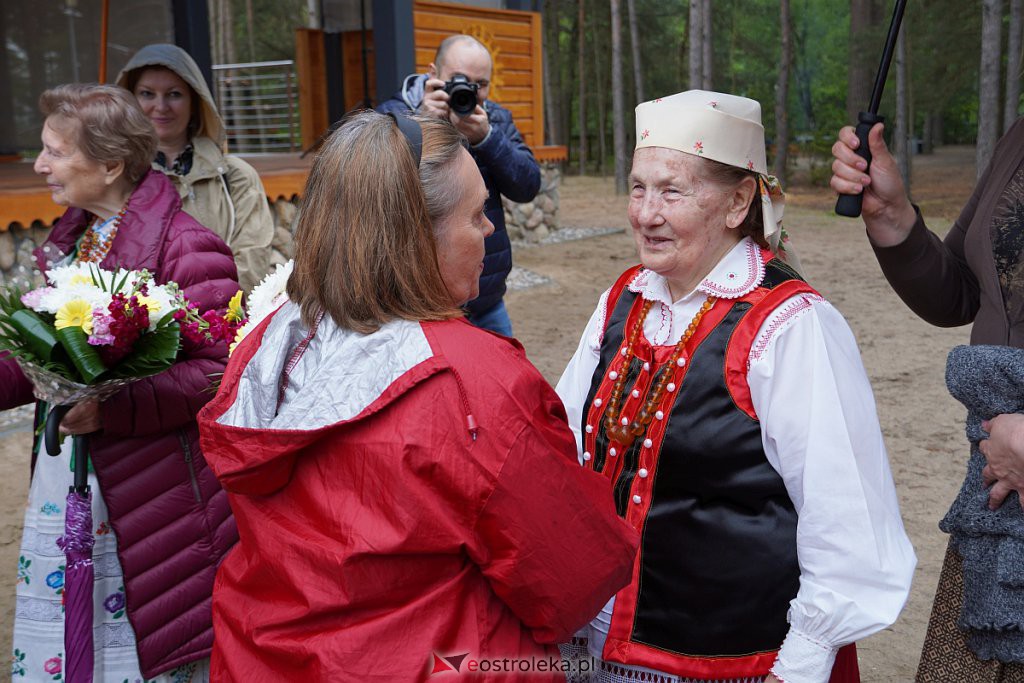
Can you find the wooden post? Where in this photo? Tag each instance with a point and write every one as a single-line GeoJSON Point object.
{"type": "Point", "coordinates": [312, 78]}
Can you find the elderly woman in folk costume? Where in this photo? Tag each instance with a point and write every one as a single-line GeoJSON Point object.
{"type": "Point", "coordinates": [725, 401]}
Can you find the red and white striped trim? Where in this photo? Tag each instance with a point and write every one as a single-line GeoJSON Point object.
{"type": "Point", "coordinates": [780, 320]}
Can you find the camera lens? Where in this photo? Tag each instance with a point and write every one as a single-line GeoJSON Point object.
{"type": "Point", "coordinates": [462, 100]}
{"type": "Point", "coordinates": [461, 95]}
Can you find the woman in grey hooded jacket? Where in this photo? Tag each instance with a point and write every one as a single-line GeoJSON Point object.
{"type": "Point", "coordinates": [220, 190]}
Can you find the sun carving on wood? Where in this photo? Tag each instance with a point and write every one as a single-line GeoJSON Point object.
{"type": "Point", "coordinates": [486, 38]}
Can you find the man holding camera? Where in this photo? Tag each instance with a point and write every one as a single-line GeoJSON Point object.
{"type": "Point", "coordinates": [455, 88]}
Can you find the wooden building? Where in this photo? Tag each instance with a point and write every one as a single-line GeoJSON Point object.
{"type": "Point", "coordinates": [363, 51]}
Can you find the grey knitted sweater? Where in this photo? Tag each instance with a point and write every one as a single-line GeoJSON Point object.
{"type": "Point", "coordinates": [989, 381]}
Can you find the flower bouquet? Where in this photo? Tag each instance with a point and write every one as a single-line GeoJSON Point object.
{"type": "Point", "coordinates": [84, 335]}
{"type": "Point", "coordinates": [90, 331]}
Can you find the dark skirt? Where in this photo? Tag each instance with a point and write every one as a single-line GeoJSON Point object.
{"type": "Point", "coordinates": [945, 657]}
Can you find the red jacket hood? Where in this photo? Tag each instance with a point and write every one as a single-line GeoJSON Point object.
{"type": "Point", "coordinates": [247, 446]}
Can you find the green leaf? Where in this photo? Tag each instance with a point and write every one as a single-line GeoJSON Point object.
{"type": "Point", "coordinates": [153, 352]}
{"type": "Point", "coordinates": [38, 337]}
{"type": "Point", "coordinates": [84, 357]}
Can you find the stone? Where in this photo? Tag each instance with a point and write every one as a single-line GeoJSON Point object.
{"type": "Point", "coordinates": [8, 252]}
{"type": "Point", "coordinates": [277, 258]}
{"type": "Point", "coordinates": [540, 233]}
{"type": "Point", "coordinates": [286, 212]}
{"type": "Point", "coordinates": [535, 219]}
{"type": "Point", "coordinates": [545, 202]}
{"type": "Point", "coordinates": [526, 208]}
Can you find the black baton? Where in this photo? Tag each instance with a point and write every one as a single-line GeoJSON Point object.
{"type": "Point", "coordinates": [849, 204]}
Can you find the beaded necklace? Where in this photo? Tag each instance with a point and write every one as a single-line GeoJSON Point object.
{"type": "Point", "coordinates": [624, 431]}
{"type": "Point", "coordinates": [94, 249]}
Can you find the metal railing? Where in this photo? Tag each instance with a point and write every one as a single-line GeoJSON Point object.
{"type": "Point", "coordinates": [259, 104]}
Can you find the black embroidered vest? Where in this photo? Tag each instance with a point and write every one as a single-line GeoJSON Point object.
{"type": "Point", "coordinates": [718, 560]}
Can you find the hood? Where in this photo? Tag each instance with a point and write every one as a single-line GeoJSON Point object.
{"type": "Point", "coordinates": [177, 60]}
{"type": "Point", "coordinates": [260, 421]}
{"type": "Point", "coordinates": [413, 89]}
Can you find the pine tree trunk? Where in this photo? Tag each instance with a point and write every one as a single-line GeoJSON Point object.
{"type": "Point", "coordinates": [230, 54]}
{"type": "Point", "coordinates": [901, 130]}
{"type": "Point", "coordinates": [553, 51]}
{"type": "Point", "coordinates": [251, 28]}
{"type": "Point", "coordinates": [782, 93]}
{"type": "Point", "coordinates": [1013, 63]}
{"type": "Point", "coordinates": [863, 56]}
{"type": "Point", "coordinates": [581, 29]}
{"type": "Point", "coordinates": [634, 37]}
{"type": "Point", "coordinates": [707, 56]}
{"type": "Point", "coordinates": [600, 89]}
{"type": "Point", "coordinates": [696, 34]}
{"type": "Point", "coordinates": [618, 112]}
{"type": "Point", "coordinates": [988, 85]}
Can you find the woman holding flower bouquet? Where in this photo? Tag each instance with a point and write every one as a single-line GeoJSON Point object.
{"type": "Point", "coordinates": [161, 522]}
{"type": "Point", "coordinates": [405, 484]}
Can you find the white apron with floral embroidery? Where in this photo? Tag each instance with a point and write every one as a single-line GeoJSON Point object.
{"type": "Point", "coordinates": [38, 653]}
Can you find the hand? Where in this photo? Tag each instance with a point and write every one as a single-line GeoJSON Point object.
{"type": "Point", "coordinates": [84, 418]}
{"type": "Point", "coordinates": [475, 126]}
{"type": "Point", "coordinates": [435, 99]}
{"type": "Point", "coordinates": [1004, 451]}
{"type": "Point", "coordinates": [887, 212]}
{"type": "Point", "coordinates": [771, 679]}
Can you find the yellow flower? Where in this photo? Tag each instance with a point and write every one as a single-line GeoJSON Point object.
{"type": "Point", "coordinates": [75, 313]}
{"type": "Point", "coordinates": [80, 280]}
{"type": "Point", "coordinates": [149, 302]}
{"type": "Point", "coordinates": [235, 312]}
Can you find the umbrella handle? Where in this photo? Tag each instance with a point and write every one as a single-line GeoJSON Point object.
{"type": "Point", "coordinates": [51, 432]}
{"type": "Point", "coordinates": [81, 464]}
{"type": "Point", "coordinates": [849, 204]}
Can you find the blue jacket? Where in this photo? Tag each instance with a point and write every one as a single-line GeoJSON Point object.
{"type": "Point", "coordinates": [508, 168]}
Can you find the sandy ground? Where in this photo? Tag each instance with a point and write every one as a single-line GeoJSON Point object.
{"type": "Point", "coordinates": [904, 357]}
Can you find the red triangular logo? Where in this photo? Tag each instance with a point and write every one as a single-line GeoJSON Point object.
{"type": "Point", "coordinates": [441, 666]}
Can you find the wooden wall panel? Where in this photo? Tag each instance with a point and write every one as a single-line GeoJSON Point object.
{"type": "Point", "coordinates": [352, 69]}
{"type": "Point", "coordinates": [312, 77]}
{"type": "Point", "coordinates": [514, 40]}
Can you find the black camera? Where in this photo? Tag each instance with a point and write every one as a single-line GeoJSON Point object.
{"type": "Point", "coordinates": [461, 95]}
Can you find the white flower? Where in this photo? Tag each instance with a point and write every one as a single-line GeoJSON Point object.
{"type": "Point", "coordinates": [266, 297]}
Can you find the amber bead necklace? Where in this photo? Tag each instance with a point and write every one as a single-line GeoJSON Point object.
{"type": "Point", "coordinates": [92, 249]}
{"type": "Point", "coordinates": [625, 432]}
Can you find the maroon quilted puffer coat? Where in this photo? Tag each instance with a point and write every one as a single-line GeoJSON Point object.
{"type": "Point", "coordinates": [171, 518]}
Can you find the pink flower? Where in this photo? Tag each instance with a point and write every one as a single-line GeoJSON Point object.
{"type": "Point", "coordinates": [53, 665]}
{"type": "Point", "coordinates": [698, 147]}
{"type": "Point", "coordinates": [33, 298]}
{"type": "Point", "coordinates": [643, 135]}
{"type": "Point", "coordinates": [101, 335]}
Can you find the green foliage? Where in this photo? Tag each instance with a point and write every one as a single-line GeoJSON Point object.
{"type": "Point", "coordinates": [943, 44]}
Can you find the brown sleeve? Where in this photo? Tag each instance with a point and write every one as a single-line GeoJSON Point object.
{"type": "Point", "coordinates": [931, 275]}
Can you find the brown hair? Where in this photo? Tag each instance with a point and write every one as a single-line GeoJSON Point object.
{"type": "Point", "coordinates": [108, 124]}
{"type": "Point", "coordinates": [365, 245]}
{"type": "Point", "coordinates": [731, 176]}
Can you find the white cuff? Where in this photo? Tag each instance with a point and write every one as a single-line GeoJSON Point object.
{"type": "Point", "coordinates": [803, 660]}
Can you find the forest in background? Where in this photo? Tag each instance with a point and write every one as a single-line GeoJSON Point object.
{"type": "Point", "coordinates": [834, 48]}
{"type": "Point", "coordinates": [739, 47]}
{"type": "Point", "coordinates": [956, 87]}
